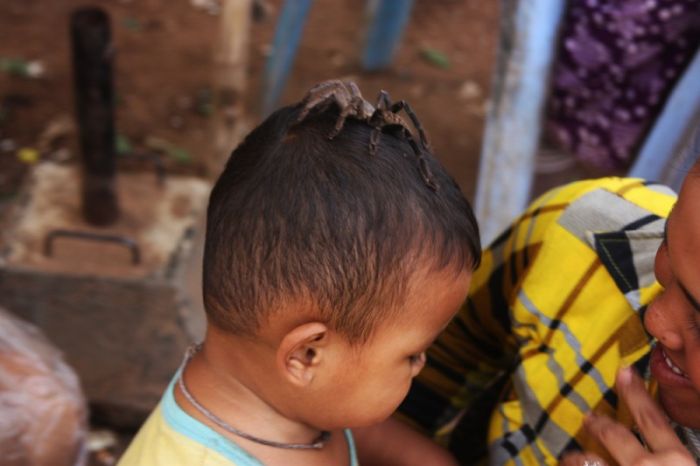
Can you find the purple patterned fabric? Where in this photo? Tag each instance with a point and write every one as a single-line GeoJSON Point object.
{"type": "Point", "coordinates": [617, 63]}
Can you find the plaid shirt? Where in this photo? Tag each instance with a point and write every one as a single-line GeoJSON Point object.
{"type": "Point", "coordinates": [554, 311]}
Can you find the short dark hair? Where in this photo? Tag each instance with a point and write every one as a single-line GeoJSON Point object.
{"type": "Point", "coordinates": [296, 215]}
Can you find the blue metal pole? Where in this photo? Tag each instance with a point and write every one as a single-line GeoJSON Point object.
{"type": "Point", "coordinates": [287, 36]}
{"type": "Point", "coordinates": [388, 19]}
{"type": "Point", "coordinates": [671, 132]}
{"type": "Point", "coordinates": [527, 49]}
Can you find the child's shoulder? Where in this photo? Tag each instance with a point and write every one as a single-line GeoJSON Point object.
{"type": "Point", "coordinates": [170, 437]}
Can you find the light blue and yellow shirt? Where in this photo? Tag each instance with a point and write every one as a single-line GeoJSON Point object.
{"type": "Point", "coordinates": [171, 437]}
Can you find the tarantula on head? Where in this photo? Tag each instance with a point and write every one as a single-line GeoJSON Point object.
{"type": "Point", "coordinates": [383, 116]}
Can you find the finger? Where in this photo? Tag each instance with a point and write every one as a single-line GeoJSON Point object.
{"type": "Point", "coordinates": [647, 414]}
{"type": "Point", "coordinates": [582, 459]}
{"type": "Point", "coordinates": [622, 445]}
{"type": "Point", "coordinates": [675, 458]}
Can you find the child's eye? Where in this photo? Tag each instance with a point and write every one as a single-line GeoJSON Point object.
{"type": "Point", "coordinates": [416, 359]}
{"type": "Point", "coordinates": [694, 327]}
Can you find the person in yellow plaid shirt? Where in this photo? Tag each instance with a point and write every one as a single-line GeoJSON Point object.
{"type": "Point", "coordinates": [556, 308]}
{"type": "Point", "coordinates": [531, 337]}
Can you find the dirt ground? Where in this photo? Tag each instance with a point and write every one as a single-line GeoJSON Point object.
{"type": "Point", "coordinates": [165, 68]}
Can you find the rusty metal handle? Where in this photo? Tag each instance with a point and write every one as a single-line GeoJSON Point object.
{"type": "Point", "coordinates": [91, 236]}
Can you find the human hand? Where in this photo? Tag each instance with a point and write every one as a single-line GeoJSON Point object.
{"type": "Point", "coordinates": [394, 443]}
{"type": "Point", "coordinates": [663, 449]}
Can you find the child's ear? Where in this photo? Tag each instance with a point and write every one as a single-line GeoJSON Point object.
{"type": "Point", "coordinates": [301, 351]}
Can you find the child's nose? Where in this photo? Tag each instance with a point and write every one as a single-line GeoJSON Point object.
{"type": "Point", "coordinates": [660, 324]}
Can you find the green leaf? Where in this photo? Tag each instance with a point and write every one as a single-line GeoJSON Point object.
{"type": "Point", "coordinates": [180, 155]}
{"type": "Point", "coordinates": [14, 66]}
{"type": "Point", "coordinates": [122, 145]}
{"type": "Point", "coordinates": [435, 57]}
{"type": "Point", "coordinates": [132, 24]}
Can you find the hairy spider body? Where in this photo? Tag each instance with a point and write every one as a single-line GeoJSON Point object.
{"type": "Point", "coordinates": [385, 116]}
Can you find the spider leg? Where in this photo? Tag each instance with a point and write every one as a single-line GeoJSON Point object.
{"type": "Point", "coordinates": [363, 109]}
{"type": "Point", "coordinates": [423, 168]}
{"type": "Point", "coordinates": [383, 100]}
{"type": "Point", "coordinates": [353, 90]}
{"type": "Point", "coordinates": [374, 139]}
{"type": "Point", "coordinates": [377, 119]}
{"type": "Point", "coordinates": [403, 105]}
{"type": "Point", "coordinates": [323, 94]}
{"type": "Point", "coordinates": [340, 121]}
{"type": "Point", "coordinates": [426, 173]}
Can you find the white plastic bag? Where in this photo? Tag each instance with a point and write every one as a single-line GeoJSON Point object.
{"type": "Point", "coordinates": [43, 414]}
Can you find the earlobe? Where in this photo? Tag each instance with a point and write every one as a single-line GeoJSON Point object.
{"type": "Point", "coordinates": [301, 352]}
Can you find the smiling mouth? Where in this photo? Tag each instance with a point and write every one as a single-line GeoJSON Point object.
{"type": "Point", "coordinates": [675, 369]}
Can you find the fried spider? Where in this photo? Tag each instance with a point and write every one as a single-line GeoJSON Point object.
{"type": "Point", "coordinates": [347, 96]}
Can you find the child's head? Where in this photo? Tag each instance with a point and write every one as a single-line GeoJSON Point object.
{"type": "Point", "coordinates": [330, 245]}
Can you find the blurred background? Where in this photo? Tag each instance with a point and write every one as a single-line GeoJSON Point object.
{"type": "Point", "coordinates": [109, 143]}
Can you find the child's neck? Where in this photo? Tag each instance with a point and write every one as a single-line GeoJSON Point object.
{"type": "Point", "coordinates": [229, 386]}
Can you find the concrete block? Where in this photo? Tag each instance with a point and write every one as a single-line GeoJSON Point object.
{"type": "Point", "coordinates": [123, 327]}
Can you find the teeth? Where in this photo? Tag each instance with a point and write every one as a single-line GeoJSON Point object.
{"type": "Point", "coordinates": [675, 369]}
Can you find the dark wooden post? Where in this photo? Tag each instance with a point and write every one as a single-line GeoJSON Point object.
{"type": "Point", "coordinates": [92, 65]}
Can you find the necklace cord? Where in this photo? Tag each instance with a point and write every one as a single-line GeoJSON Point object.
{"type": "Point", "coordinates": [317, 444]}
